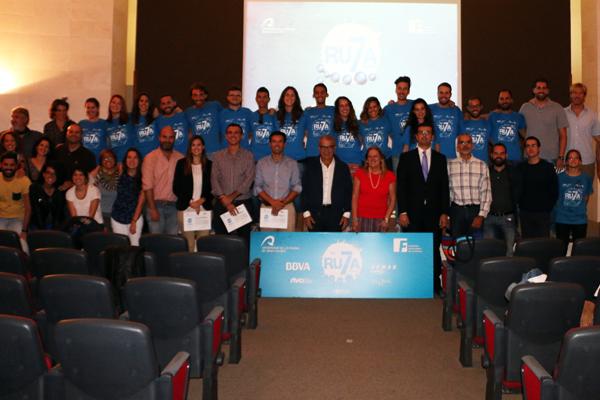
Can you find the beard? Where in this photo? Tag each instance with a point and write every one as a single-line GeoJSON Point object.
{"type": "Point", "coordinates": [541, 96]}
{"type": "Point", "coordinates": [8, 173]}
{"type": "Point", "coordinates": [498, 162]}
{"type": "Point", "coordinates": [166, 146]}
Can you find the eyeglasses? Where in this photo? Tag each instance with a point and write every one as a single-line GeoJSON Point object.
{"type": "Point", "coordinates": [327, 147]}
{"type": "Point", "coordinates": [424, 132]}
{"type": "Point", "coordinates": [465, 142]}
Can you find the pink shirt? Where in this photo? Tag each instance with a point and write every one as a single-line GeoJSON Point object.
{"type": "Point", "coordinates": [158, 172]}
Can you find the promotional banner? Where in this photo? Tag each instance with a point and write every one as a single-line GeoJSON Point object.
{"type": "Point", "coordinates": [344, 265]}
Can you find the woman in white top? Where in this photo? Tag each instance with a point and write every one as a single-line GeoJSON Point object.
{"type": "Point", "coordinates": [83, 199]}
{"type": "Point", "coordinates": [191, 185]}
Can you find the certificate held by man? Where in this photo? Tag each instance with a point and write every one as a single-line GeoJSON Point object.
{"type": "Point", "coordinates": [233, 222]}
{"type": "Point", "coordinates": [268, 220]}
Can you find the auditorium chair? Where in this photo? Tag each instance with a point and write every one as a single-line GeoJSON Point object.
{"type": "Point", "coordinates": [583, 270]}
{"type": "Point", "coordinates": [170, 308]}
{"type": "Point", "coordinates": [208, 271]}
{"type": "Point", "coordinates": [597, 312]}
{"type": "Point", "coordinates": [50, 261]}
{"type": "Point", "coordinates": [586, 247]}
{"type": "Point", "coordinates": [236, 253]}
{"type": "Point", "coordinates": [48, 238]}
{"type": "Point", "coordinates": [576, 375]}
{"type": "Point", "coordinates": [10, 239]}
{"type": "Point", "coordinates": [542, 250]}
{"type": "Point", "coordinates": [162, 245]}
{"type": "Point", "coordinates": [150, 263]}
{"type": "Point", "coordinates": [15, 298]}
{"type": "Point", "coordinates": [538, 316]}
{"type": "Point", "coordinates": [67, 296]}
{"type": "Point", "coordinates": [114, 359]}
{"type": "Point", "coordinates": [95, 242]}
{"type": "Point", "coordinates": [463, 268]}
{"type": "Point", "coordinates": [14, 261]}
{"type": "Point", "coordinates": [23, 365]}
{"type": "Point", "coordinates": [487, 291]}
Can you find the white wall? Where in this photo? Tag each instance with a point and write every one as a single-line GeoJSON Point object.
{"type": "Point", "coordinates": [58, 48]}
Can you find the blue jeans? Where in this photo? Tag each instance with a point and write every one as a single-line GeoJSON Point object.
{"type": "Point", "coordinates": [168, 218]}
{"type": "Point", "coordinates": [501, 227]}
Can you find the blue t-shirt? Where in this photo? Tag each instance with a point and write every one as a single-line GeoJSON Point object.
{"type": "Point", "coordinates": [242, 117]}
{"type": "Point", "coordinates": [348, 148]}
{"type": "Point", "coordinates": [398, 116]}
{"type": "Point", "coordinates": [294, 144]}
{"type": "Point", "coordinates": [376, 132]}
{"type": "Point", "coordinates": [319, 122]}
{"type": "Point", "coordinates": [180, 125]}
{"type": "Point", "coordinates": [205, 122]}
{"type": "Point", "coordinates": [504, 128]}
{"type": "Point", "coordinates": [261, 133]}
{"type": "Point", "coordinates": [93, 135]}
{"type": "Point", "coordinates": [480, 134]}
{"type": "Point", "coordinates": [448, 125]}
{"type": "Point", "coordinates": [571, 207]}
{"type": "Point", "coordinates": [145, 136]}
{"type": "Point", "coordinates": [120, 137]}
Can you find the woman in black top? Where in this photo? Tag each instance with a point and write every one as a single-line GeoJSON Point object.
{"type": "Point", "coordinates": [48, 205]}
{"type": "Point", "coordinates": [191, 185]}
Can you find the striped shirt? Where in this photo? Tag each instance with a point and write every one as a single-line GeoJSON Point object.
{"type": "Point", "coordinates": [470, 183]}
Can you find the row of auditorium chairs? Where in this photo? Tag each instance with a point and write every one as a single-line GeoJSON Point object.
{"type": "Point", "coordinates": [218, 279]}
{"type": "Point", "coordinates": [522, 336]}
{"type": "Point", "coordinates": [99, 359]}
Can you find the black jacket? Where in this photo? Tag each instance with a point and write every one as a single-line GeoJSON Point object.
{"type": "Point", "coordinates": [183, 186]}
{"type": "Point", "coordinates": [312, 187]}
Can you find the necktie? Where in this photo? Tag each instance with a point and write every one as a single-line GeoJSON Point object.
{"type": "Point", "coordinates": [424, 166]}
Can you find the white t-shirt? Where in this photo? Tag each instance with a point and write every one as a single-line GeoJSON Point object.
{"type": "Point", "coordinates": [82, 206]}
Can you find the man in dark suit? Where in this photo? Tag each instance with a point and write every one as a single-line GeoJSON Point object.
{"type": "Point", "coordinates": [326, 190]}
{"type": "Point", "coordinates": [423, 193]}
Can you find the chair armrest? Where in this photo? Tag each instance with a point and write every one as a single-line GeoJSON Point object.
{"type": "Point", "coordinates": [493, 335]}
{"type": "Point", "coordinates": [177, 372]}
{"type": "Point", "coordinates": [239, 295]}
{"type": "Point", "coordinates": [465, 301]}
{"type": "Point", "coordinates": [212, 329]}
{"type": "Point", "coordinates": [255, 267]}
{"type": "Point", "coordinates": [537, 382]}
{"type": "Point", "coordinates": [54, 384]}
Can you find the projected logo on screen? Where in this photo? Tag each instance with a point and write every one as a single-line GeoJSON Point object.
{"type": "Point", "coordinates": [342, 260]}
{"type": "Point", "coordinates": [350, 54]}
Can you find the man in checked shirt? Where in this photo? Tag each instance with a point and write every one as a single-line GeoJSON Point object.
{"type": "Point", "coordinates": [231, 179]}
{"type": "Point", "coordinates": [470, 190]}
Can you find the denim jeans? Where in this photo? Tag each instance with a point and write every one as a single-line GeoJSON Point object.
{"type": "Point", "coordinates": [168, 218]}
{"type": "Point", "coordinates": [501, 227]}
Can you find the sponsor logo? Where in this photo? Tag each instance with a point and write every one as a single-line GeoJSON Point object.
{"type": "Point", "coordinates": [268, 241]}
{"type": "Point", "coordinates": [341, 261]}
{"type": "Point", "coordinates": [401, 245]}
{"type": "Point", "coordinates": [297, 266]}
{"type": "Point", "coordinates": [300, 281]}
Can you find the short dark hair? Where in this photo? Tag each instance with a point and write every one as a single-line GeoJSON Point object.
{"type": "Point", "coordinates": [499, 144]}
{"type": "Point", "coordinates": [167, 95]}
{"type": "Point", "coordinates": [9, 154]}
{"type": "Point", "coordinates": [198, 86]}
{"type": "Point", "coordinates": [278, 133]}
{"type": "Point", "coordinates": [449, 86]}
{"type": "Point", "coordinates": [234, 125]}
{"type": "Point", "coordinates": [234, 88]}
{"type": "Point", "coordinates": [573, 151]}
{"type": "Point", "coordinates": [425, 124]}
{"type": "Point", "coordinates": [321, 84]}
{"type": "Point", "coordinates": [540, 79]}
{"type": "Point", "coordinates": [505, 90]}
{"type": "Point", "coordinates": [263, 89]}
{"type": "Point", "coordinates": [92, 100]}
{"type": "Point", "coordinates": [57, 103]}
{"type": "Point", "coordinates": [404, 79]}
{"type": "Point", "coordinates": [533, 138]}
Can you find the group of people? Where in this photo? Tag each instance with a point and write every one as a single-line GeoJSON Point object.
{"type": "Point", "coordinates": [329, 169]}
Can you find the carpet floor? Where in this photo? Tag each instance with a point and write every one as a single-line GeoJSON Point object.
{"type": "Point", "coordinates": [349, 349]}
